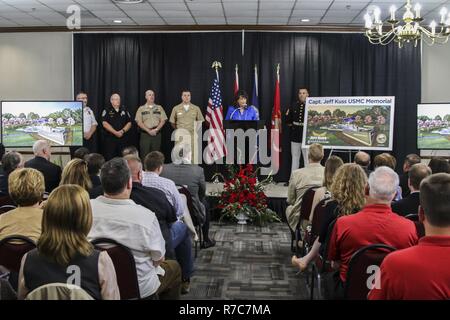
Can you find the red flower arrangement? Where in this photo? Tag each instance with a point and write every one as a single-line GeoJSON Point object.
{"type": "Point", "coordinates": [244, 194]}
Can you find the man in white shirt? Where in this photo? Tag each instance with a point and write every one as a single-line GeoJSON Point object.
{"type": "Point", "coordinates": [89, 124]}
{"type": "Point", "coordinates": [117, 217]}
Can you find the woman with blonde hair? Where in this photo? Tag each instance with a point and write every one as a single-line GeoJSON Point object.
{"type": "Point", "coordinates": [347, 197]}
{"type": "Point", "coordinates": [64, 254]}
{"type": "Point", "coordinates": [76, 172]}
{"type": "Point", "coordinates": [26, 188]}
{"type": "Point", "coordinates": [331, 165]}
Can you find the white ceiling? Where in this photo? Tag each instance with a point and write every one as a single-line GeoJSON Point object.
{"type": "Point", "coordinates": [47, 13]}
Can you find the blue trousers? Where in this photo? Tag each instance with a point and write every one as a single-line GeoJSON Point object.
{"type": "Point", "coordinates": [182, 244]}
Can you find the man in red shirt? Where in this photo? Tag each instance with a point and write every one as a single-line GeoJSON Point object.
{"type": "Point", "coordinates": [422, 272]}
{"type": "Point", "coordinates": [375, 223]}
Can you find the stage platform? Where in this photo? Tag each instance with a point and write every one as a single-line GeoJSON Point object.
{"type": "Point", "coordinates": [276, 198]}
{"type": "Point", "coordinates": [272, 190]}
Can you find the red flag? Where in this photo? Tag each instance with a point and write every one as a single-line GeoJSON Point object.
{"type": "Point", "coordinates": [236, 81]}
{"type": "Point", "coordinates": [275, 133]}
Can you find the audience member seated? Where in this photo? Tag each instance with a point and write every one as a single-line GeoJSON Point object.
{"type": "Point", "coordinates": [10, 162]}
{"type": "Point", "coordinates": [174, 231]}
{"type": "Point", "coordinates": [363, 159]}
{"type": "Point", "coordinates": [80, 153]}
{"type": "Point", "coordinates": [153, 163]}
{"type": "Point", "coordinates": [64, 251]}
{"type": "Point", "coordinates": [76, 172]}
{"type": "Point", "coordinates": [410, 160]}
{"type": "Point", "coordinates": [131, 150]}
{"type": "Point", "coordinates": [347, 197]}
{"type": "Point", "coordinates": [388, 160]}
{"type": "Point", "coordinates": [41, 162]}
{"type": "Point", "coordinates": [410, 204]}
{"type": "Point", "coordinates": [2, 153]}
{"type": "Point", "coordinates": [95, 162]}
{"type": "Point", "coordinates": [332, 164]}
{"type": "Point", "coordinates": [375, 223]}
{"type": "Point", "coordinates": [439, 165]}
{"type": "Point", "coordinates": [422, 272]}
{"type": "Point", "coordinates": [184, 173]}
{"type": "Point", "coordinates": [26, 188]}
{"type": "Point", "coordinates": [301, 180]}
{"type": "Point", "coordinates": [119, 218]}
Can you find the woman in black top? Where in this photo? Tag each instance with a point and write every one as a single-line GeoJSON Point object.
{"type": "Point", "coordinates": [347, 197]}
{"type": "Point", "coordinates": [64, 254]}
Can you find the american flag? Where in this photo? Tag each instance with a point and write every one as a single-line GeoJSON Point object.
{"type": "Point", "coordinates": [214, 117]}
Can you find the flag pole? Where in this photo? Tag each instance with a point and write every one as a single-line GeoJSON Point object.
{"type": "Point", "coordinates": [278, 71]}
{"type": "Point", "coordinates": [216, 65]}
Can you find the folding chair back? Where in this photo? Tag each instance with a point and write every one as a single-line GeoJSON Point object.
{"type": "Point", "coordinates": [363, 264]}
{"type": "Point", "coordinates": [124, 265]}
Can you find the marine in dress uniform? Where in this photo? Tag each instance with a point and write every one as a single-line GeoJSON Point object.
{"type": "Point", "coordinates": [116, 121]}
{"type": "Point", "coordinates": [295, 116]}
{"type": "Point", "coordinates": [184, 116]}
{"type": "Point", "coordinates": [150, 118]}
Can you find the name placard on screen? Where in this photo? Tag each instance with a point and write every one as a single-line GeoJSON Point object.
{"type": "Point", "coordinates": [360, 123]}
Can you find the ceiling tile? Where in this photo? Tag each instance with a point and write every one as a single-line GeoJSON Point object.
{"type": "Point", "coordinates": [276, 5]}
{"type": "Point", "coordinates": [274, 13]}
{"type": "Point", "coordinates": [241, 20]}
{"type": "Point", "coordinates": [210, 20]}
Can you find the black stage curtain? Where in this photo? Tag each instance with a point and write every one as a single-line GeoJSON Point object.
{"type": "Point", "coordinates": [329, 64]}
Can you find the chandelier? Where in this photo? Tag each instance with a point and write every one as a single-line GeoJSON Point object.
{"type": "Point", "coordinates": [407, 29]}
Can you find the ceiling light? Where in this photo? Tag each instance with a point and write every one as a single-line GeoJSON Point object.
{"type": "Point", "coordinates": [117, 21]}
{"type": "Point", "coordinates": [407, 28]}
{"type": "Point", "coordinates": [305, 20]}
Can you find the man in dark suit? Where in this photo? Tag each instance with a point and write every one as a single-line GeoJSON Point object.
{"type": "Point", "coordinates": [184, 173]}
{"type": "Point", "coordinates": [153, 199]}
{"type": "Point", "coordinates": [410, 160]}
{"type": "Point", "coordinates": [41, 162]}
{"type": "Point", "coordinates": [174, 231]}
{"type": "Point", "coordinates": [410, 204]}
{"type": "Point", "coordinates": [363, 160]}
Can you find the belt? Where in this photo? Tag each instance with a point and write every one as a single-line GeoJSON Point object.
{"type": "Point", "coordinates": [149, 128]}
{"type": "Point", "coordinates": [297, 123]}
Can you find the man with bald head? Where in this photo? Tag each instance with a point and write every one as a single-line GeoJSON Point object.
{"type": "Point", "coordinates": [410, 204]}
{"type": "Point", "coordinates": [41, 162]}
{"type": "Point", "coordinates": [150, 118]}
{"type": "Point", "coordinates": [116, 121]}
{"type": "Point", "coordinates": [363, 159]}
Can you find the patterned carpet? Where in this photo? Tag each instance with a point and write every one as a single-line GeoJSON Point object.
{"type": "Point", "coordinates": [248, 262]}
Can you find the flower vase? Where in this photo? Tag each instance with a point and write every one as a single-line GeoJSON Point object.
{"type": "Point", "coordinates": [241, 218]}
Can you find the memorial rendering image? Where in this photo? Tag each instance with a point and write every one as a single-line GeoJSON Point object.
{"type": "Point", "coordinates": [25, 122]}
